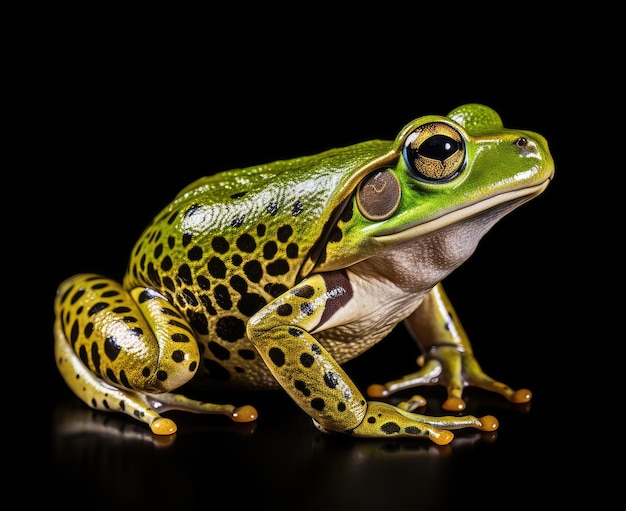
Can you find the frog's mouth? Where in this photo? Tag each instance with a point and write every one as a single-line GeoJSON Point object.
{"type": "Point", "coordinates": [499, 205]}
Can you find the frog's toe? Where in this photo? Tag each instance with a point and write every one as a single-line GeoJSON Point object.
{"type": "Point", "coordinates": [377, 390]}
{"type": "Point", "coordinates": [488, 423]}
{"type": "Point", "coordinates": [521, 396]}
{"type": "Point", "coordinates": [163, 426]}
{"type": "Point", "coordinates": [441, 436]}
{"type": "Point", "coordinates": [454, 404]}
{"type": "Point", "coordinates": [245, 413]}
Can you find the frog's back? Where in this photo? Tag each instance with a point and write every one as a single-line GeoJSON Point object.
{"type": "Point", "coordinates": [230, 243]}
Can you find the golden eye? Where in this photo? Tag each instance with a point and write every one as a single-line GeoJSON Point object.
{"type": "Point", "coordinates": [435, 152]}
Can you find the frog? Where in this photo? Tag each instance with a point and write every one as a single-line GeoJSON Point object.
{"type": "Point", "coordinates": [274, 276]}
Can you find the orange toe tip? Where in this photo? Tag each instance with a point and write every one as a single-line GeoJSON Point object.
{"type": "Point", "coordinates": [245, 413]}
{"type": "Point", "coordinates": [377, 390]}
{"type": "Point", "coordinates": [441, 437]}
{"type": "Point", "coordinates": [521, 396]}
{"type": "Point", "coordinates": [454, 404]}
{"type": "Point", "coordinates": [162, 426]}
{"type": "Point", "coordinates": [489, 423]}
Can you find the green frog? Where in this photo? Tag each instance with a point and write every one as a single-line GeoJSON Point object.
{"type": "Point", "coordinates": [274, 276]}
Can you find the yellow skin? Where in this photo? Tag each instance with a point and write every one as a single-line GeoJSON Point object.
{"type": "Point", "coordinates": [273, 276]}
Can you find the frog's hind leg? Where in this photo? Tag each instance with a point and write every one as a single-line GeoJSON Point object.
{"type": "Point", "coordinates": [99, 395]}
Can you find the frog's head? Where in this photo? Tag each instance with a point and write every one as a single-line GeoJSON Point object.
{"type": "Point", "coordinates": [452, 168]}
{"type": "Point", "coordinates": [463, 170]}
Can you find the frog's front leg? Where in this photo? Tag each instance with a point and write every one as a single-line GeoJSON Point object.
{"type": "Point", "coordinates": [317, 383]}
{"type": "Point", "coordinates": [449, 359]}
{"type": "Point", "coordinates": [125, 351]}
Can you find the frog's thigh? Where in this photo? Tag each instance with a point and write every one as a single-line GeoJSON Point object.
{"type": "Point", "coordinates": [305, 370]}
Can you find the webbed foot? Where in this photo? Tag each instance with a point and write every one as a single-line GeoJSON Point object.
{"type": "Point", "coordinates": [455, 369]}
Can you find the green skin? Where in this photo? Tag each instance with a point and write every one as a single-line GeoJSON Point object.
{"type": "Point", "coordinates": [273, 276]}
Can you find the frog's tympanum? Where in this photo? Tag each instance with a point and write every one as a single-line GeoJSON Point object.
{"type": "Point", "coordinates": [274, 276]}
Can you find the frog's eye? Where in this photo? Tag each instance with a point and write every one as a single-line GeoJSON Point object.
{"type": "Point", "coordinates": [435, 152]}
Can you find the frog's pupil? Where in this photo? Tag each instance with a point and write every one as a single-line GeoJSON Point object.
{"type": "Point", "coordinates": [438, 147]}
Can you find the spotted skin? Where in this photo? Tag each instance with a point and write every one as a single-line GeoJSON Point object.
{"type": "Point", "coordinates": [273, 276]}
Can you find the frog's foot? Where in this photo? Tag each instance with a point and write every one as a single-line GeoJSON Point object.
{"type": "Point", "coordinates": [455, 369]}
{"type": "Point", "coordinates": [383, 420]}
{"type": "Point", "coordinates": [171, 401]}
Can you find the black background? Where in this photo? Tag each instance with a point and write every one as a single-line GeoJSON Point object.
{"type": "Point", "coordinates": [111, 127]}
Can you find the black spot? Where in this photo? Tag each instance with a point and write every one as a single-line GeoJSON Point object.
{"type": "Point", "coordinates": [284, 233]}
{"type": "Point", "coordinates": [145, 372]}
{"type": "Point", "coordinates": [277, 356]}
{"type": "Point", "coordinates": [295, 332]}
{"type": "Point", "coordinates": [318, 403]}
{"type": "Point", "coordinates": [260, 230]}
{"type": "Point", "coordinates": [87, 331]}
{"type": "Point", "coordinates": [292, 250]}
{"type": "Point", "coordinates": [166, 264]}
{"type": "Point", "coordinates": [199, 321]}
{"type": "Point", "coordinates": [190, 298]}
{"type": "Point", "coordinates": [371, 420]}
{"type": "Point", "coordinates": [250, 303]}
{"type": "Point", "coordinates": [230, 328]}
{"type": "Point", "coordinates": [238, 284]}
{"type": "Point", "coordinates": [278, 267]}
{"type": "Point", "coordinates": [169, 283]}
{"type": "Point", "coordinates": [124, 379]}
{"type": "Point", "coordinates": [237, 221]}
{"type": "Point", "coordinates": [171, 241]}
{"type": "Point", "coordinates": [158, 250]}
{"type": "Point", "coordinates": [220, 245]}
{"type": "Point", "coordinates": [219, 351]}
{"type": "Point", "coordinates": [82, 353]}
{"type": "Point", "coordinates": [74, 332]}
{"type": "Point", "coordinates": [77, 296]}
{"type": "Point", "coordinates": [316, 349]}
{"type": "Point", "coordinates": [208, 306]}
{"type": "Point", "coordinates": [301, 386]}
{"type": "Point", "coordinates": [246, 354]}
{"type": "Point", "coordinates": [161, 375]}
{"type": "Point", "coordinates": [203, 282]}
{"type": "Point", "coordinates": [390, 428]}
{"type": "Point", "coordinates": [109, 294]}
{"type": "Point", "coordinates": [95, 356]}
{"type": "Point", "coordinates": [195, 253]}
{"type": "Point", "coordinates": [121, 310]}
{"type": "Point", "coordinates": [178, 337]}
{"type": "Point", "coordinates": [153, 275]}
{"type": "Point", "coordinates": [331, 380]}
{"type": "Point", "coordinates": [111, 375]}
{"type": "Point", "coordinates": [284, 310]}
{"type": "Point", "coordinates": [186, 238]}
{"type": "Point", "coordinates": [269, 250]}
{"type": "Point", "coordinates": [97, 308]}
{"type": "Point", "coordinates": [297, 208]}
{"type": "Point", "coordinates": [305, 291]}
{"type": "Point", "coordinates": [237, 195]}
{"type": "Point", "coordinates": [335, 235]}
{"type": "Point", "coordinates": [272, 208]}
{"type": "Point", "coordinates": [253, 270]}
{"type": "Point", "coordinates": [246, 243]}
{"type": "Point", "coordinates": [341, 407]}
{"type": "Point", "coordinates": [217, 268]}
{"type": "Point", "coordinates": [307, 360]}
{"type": "Point", "coordinates": [236, 259]}
{"type": "Point", "coordinates": [412, 430]}
{"type": "Point", "coordinates": [111, 348]}
{"type": "Point", "coordinates": [222, 297]}
{"type": "Point", "coordinates": [178, 356]}
{"type": "Point", "coordinates": [275, 290]}
{"type": "Point", "coordinates": [184, 274]}
{"type": "Point", "coordinates": [306, 308]}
